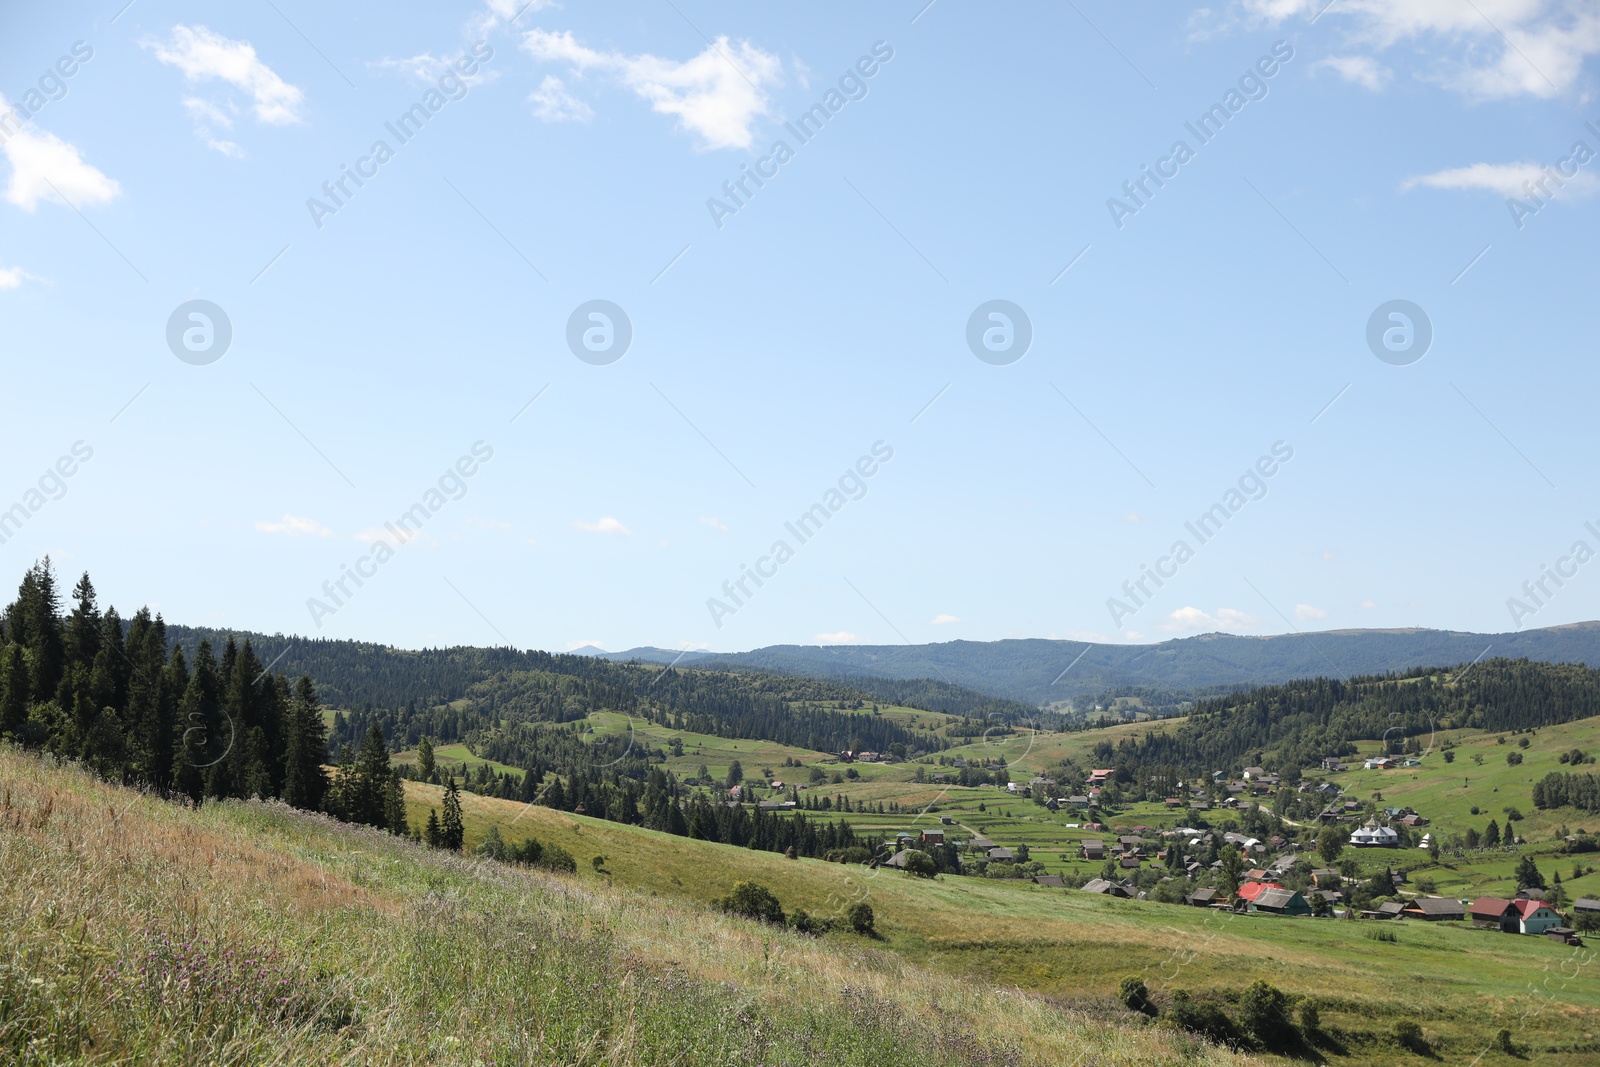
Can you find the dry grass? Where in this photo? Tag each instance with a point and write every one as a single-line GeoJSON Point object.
{"type": "Point", "coordinates": [142, 932]}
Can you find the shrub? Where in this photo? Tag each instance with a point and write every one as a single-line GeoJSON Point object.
{"type": "Point", "coordinates": [1408, 1035]}
{"type": "Point", "coordinates": [753, 901]}
{"type": "Point", "coordinates": [1264, 1015]}
{"type": "Point", "coordinates": [1134, 994]}
{"type": "Point", "coordinates": [1513, 759]}
{"type": "Point", "coordinates": [860, 917]}
{"type": "Point", "coordinates": [1310, 1016]}
{"type": "Point", "coordinates": [803, 922]}
{"type": "Point", "coordinates": [920, 864]}
{"type": "Point", "coordinates": [1502, 1041]}
{"type": "Point", "coordinates": [1201, 1018]}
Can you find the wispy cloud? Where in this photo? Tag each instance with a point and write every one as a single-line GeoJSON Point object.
{"type": "Point", "coordinates": [715, 523]}
{"type": "Point", "coordinates": [942, 620]}
{"type": "Point", "coordinates": [1192, 618]}
{"type": "Point", "coordinates": [1361, 70]}
{"type": "Point", "coordinates": [1306, 613]}
{"type": "Point", "coordinates": [1502, 179]}
{"type": "Point", "coordinates": [294, 526]}
{"type": "Point", "coordinates": [842, 637]}
{"type": "Point", "coordinates": [1492, 49]}
{"type": "Point", "coordinates": [606, 525]}
{"type": "Point", "coordinates": [206, 56]}
{"type": "Point", "coordinates": [718, 94]}
{"type": "Point", "coordinates": [40, 160]}
{"type": "Point", "coordinates": [13, 277]}
{"type": "Point", "coordinates": [552, 103]}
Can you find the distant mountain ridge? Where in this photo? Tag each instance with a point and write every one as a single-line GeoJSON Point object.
{"type": "Point", "coordinates": [1040, 670]}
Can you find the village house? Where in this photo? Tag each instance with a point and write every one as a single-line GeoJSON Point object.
{"type": "Point", "coordinates": [1051, 880]}
{"type": "Point", "coordinates": [1586, 906]}
{"type": "Point", "coordinates": [1201, 898]}
{"type": "Point", "coordinates": [1280, 901]}
{"type": "Point", "coordinates": [1114, 889]}
{"type": "Point", "coordinates": [1001, 854]}
{"type": "Point", "coordinates": [1378, 763]}
{"type": "Point", "coordinates": [933, 837]}
{"type": "Point", "coordinates": [1389, 909]}
{"type": "Point", "coordinates": [1101, 777]}
{"type": "Point", "coordinates": [1326, 878]}
{"type": "Point", "coordinates": [1513, 916]}
{"type": "Point", "coordinates": [1093, 849]}
{"type": "Point", "coordinates": [1433, 909]}
{"type": "Point", "coordinates": [1374, 836]}
{"type": "Point", "coordinates": [1332, 763]}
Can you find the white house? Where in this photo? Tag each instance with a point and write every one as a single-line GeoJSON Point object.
{"type": "Point", "coordinates": [1374, 836]}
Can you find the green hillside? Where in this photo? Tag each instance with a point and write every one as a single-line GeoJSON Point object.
{"type": "Point", "coordinates": [140, 931]}
{"type": "Point", "coordinates": [1074, 948]}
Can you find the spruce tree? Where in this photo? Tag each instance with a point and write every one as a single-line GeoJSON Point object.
{"type": "Point", "coordinates": [14, 689]}
{"type": "Point", "coordinates": [304, 781]}
{"type": "Point", "coordinates": [425, 767]}
{"type": "Point", "coordinates": [451, 832]}
{"type": "Point", "coordinates": [431, 834]}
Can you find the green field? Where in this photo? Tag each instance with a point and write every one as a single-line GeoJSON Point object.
{"type": "Point", "coordinates": [1460, 984]}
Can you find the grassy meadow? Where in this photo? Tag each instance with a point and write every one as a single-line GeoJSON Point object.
{"type": "Point", "coordinates": [140, 931]}
{"type": "Point", "coordinates": [1459, 984]}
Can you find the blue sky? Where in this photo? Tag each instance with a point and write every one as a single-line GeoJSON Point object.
{"type": "Point", "coordinates": [560, 155]}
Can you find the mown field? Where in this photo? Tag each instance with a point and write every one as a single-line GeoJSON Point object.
{"type": "Point", "coordinates": [142, 932]}
{"type": "Point", "coordinates": [1459, 984]}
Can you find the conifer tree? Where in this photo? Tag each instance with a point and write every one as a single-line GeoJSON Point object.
{"type": "Point", "coordinates": [425, 766]}
{"type": "Point", "coordinates": [430, 835]}
{"type": "Point", "coordinates": [304, 782]}
{"type": "Point", "coordinates": [14, 687]}
{"type": "Point", "coordinates": [451, 832]}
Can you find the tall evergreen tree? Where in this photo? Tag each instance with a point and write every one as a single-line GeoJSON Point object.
{"type": "Point", "coordinates": [304, 781]}
{"type": "Point", "coordinates": [14, 689]}
{"type": "Point", "coordinates": [451, 832]}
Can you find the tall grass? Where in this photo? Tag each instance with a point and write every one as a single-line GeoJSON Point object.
{"type": "Point", "coordinates": [137, 931]}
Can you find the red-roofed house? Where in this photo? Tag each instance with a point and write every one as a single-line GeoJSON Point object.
{"type": "Point", "coordinates": [1251, 890]}
{"type": "Point", "coordinates": [1513, 916]}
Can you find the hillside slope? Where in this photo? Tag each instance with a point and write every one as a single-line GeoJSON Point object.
{"type": "Point", "coordinates": [143, 932]}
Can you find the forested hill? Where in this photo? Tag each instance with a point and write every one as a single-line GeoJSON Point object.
{"type": "Point", "coordinates": [1031, 669]}
{"type": "Point", "coordinates": [357, 674]}
{"type": "Point", "coordinates": [1295, 725]}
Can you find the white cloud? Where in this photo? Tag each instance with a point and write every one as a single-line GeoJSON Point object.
{"type": "Point", "coordinates": [40, 160]}
{"type": "Point", "coordinates": [1305, 612]}
{"type": "Point", "coordinates": [552, 103]}
{"type": "Point", "coordinates": [942, 620]}
{"type": "Point", "coordinates": [1542, 52]}
{"type": "Point", "coordinates": [203, 55]}
{"type": "Point", "coordinates": [715, 523]}
{"type": "Point", "coordinates": [718, 94]}
{"type": "Point", "coordinates": [1502, 179]}
{"type": "Point", "coordinates": [1134, 516]}
{"type": "Point", "coordinates": [1369, 604]}
{"type": "Point", "coordinates": [1361, 70]}
{"type": "Point", "coordinates": [425, 68]}
{"type": "Point", "coordinates": [295, 526]}
{"type": "Point", "coordinates": [13, 277]}
{"type": "Point", "coordinates": [1192, 618]}
{"type": "Point", "coordinates": [606, 525]}
{"type": "Point", "coordinates": [842, 637]}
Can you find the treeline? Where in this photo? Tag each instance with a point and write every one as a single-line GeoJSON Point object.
{"type": "Point", "coordinates": [1559, 789]}
{"type": "Point", "coordinates": [86, 686]}
{"type": "Point", "coordinates": [1296, 724]}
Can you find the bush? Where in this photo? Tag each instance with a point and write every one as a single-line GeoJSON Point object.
{"type": "Point", "coordinates": [1310, 1016]}
{"type": "Point", "coordinates": [1513, 759]}
{"type": "Point", "coordinates": [1134, 994]}
{"type": "Point", "coordinates": [1264, 1015]}
{"type": "Point", "coordinates": [860, 917]}
{"type": "Point", "coordinates": [1205, 1019]}
{"type": "Point", "coordinates": [1408, 1035]}
{"type": "Point", "coordinates": [556, 858]}
{"type": "Point", "coordinates": [1502, 1041]}
{"type": "Point", "coordinates": [753, 901]}
{"type": "Point", "coordinates": [920, 864]}
{"type": "Point", "coordinates": [803, 922]}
